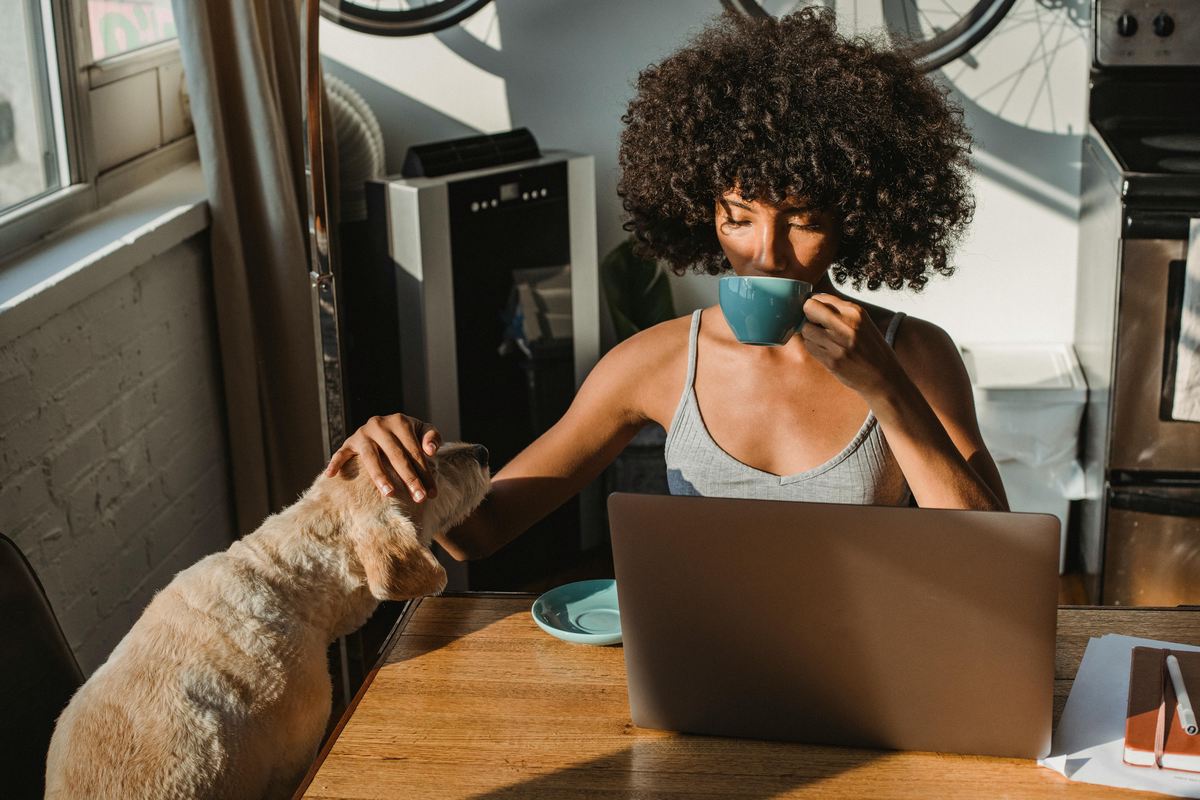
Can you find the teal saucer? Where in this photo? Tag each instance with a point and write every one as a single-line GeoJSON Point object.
{"type": "Point", "coordinates": [584, 612]}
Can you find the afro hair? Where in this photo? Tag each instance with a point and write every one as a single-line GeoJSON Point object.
{"type": "Point", "coordinates": [788, 108]}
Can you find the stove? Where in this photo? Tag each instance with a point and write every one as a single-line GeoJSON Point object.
{"type": "Point", "coordinates": [1139, 532]}
{"type": "Point", "coordinates": [1144, 149]}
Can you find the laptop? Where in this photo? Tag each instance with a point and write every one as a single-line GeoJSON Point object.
{"type": "Point", "coordinates": [867, 626]}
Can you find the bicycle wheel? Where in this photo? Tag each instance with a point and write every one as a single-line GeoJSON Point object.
{"type": "Point", "coordinates": [934, 32]}
{"type": "Point", "coordinates": [399, 17]}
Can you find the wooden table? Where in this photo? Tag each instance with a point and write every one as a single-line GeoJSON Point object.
{"type": "Point", "coordinates": [471, 699]}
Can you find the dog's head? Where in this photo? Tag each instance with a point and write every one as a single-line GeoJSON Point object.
{"type": "Point", "coordinates": [391, 535]}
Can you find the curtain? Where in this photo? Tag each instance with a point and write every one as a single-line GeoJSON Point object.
{"type": "Point", "coordinates": [242, 62]}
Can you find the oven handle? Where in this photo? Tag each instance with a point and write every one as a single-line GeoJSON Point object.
{"type": "Point", "coordinates": [1150, 503]}
{"type": "Point", "coordinates": [1158, 225]}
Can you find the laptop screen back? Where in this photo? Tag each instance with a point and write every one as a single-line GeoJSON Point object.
{"type": "Point", "coordinates": [900, 628]}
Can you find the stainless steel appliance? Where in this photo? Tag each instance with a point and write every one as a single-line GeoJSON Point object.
{"type": "Point", "coordinates": [452, 253]}
{"type": "Point", "coordinates": [1140, 526]}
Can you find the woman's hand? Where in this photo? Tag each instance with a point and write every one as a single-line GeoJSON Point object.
{"type": "Point", "coordinates": [844, 339]}
{"type": "Point", "coordinates": [395, 446]}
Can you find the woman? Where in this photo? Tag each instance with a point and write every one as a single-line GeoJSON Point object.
{"type": "Point", "coordinates": [766, 148]}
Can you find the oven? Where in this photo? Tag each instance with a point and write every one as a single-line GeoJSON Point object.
{"type": "Point", "coordinates": [1139, 532]}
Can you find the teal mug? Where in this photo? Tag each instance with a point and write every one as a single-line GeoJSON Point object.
{"type": "Point", "coordinates": [763, 310]}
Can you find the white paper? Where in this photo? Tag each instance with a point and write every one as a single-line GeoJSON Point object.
{"type": "Point", "coordinates": [1186, 403]}
{"type": "Point", "coordinates": [1089, 741]}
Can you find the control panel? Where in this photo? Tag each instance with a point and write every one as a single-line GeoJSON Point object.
{"type": "Point", "coordinates": [1147, 33]}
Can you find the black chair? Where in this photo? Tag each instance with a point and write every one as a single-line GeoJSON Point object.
{"type": "Point", "coordinates": [38, 673]}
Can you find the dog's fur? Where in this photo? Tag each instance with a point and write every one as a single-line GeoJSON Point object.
{"type": "Point", "coordinates": [221, 689]}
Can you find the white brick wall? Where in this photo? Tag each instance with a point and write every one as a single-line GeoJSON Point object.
{"type": "Point", "coordinates": [113, 463]}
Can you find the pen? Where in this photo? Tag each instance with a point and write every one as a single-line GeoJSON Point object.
{"type": "Point", "coordinates": [1187, 717]}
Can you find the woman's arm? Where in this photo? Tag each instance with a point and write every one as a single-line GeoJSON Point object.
{"type": "Point", "coordinates": [921, 395]}
{"type": "Point", "coordinates": [929, 419]}
{"type": "Point", "coordinates": [602, 419]}
{"type": "Point", "coordinates": [605, 414]}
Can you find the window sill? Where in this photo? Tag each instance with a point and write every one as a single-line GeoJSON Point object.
{"type": "Point", "coordinates": [98, 249]}
{"type": "Point", "coordinates": [140, 60]}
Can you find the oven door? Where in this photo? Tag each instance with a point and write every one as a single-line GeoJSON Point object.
{"type": "Point", "coordinates": [1152, 548]}
{"type": "Point", "coordinates": [1144, 437]}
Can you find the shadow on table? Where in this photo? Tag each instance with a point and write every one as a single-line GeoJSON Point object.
{"type": "Point", "coordinates": [429, 632]}
{"type": "Point", "coordinates": [693, 766]}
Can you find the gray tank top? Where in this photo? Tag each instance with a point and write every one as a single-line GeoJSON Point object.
{"type": "Point", "coordinates": [865, 472]}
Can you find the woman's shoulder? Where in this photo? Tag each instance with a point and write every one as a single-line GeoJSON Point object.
{"type": "Point", "coordinates": [920, 339]}
{"type": "Point", "coordinates": [930, 357]}
{"type": "Point", "coordinates": [657, 345]}
{"type": "Point", "coordinates": [914, 337]}
{"type": "Point", "coordinates": [922, 347]}
{"type": "Point", "coordinates": [647, 370]}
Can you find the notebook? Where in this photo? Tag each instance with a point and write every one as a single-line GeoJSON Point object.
{"type": "Point", "coordinates": [1152, 705]}
{"type": "Point", "coordinates": [869, 626]}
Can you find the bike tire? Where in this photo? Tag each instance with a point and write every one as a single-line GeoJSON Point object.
{"type": "Point", "coordinates": [937, 51]}
{"type": "Point", "coordinates": [398, 22]}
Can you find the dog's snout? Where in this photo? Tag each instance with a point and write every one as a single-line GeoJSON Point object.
{"type": "Point", "coordinates": [481, 454]}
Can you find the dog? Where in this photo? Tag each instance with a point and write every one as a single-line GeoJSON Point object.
{"type": "Point", "coordinates": [221, 689]}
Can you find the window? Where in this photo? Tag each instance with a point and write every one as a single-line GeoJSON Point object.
{"type": "Point", "coordinates": [119, 27]}
{"type": "Point", "coordinates": [30, 130]}
{"type": "Point", "coordinates": [92, 105]}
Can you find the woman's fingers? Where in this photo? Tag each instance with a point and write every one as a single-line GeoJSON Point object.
{"type": "Point", "coordinates": [368, 458]}
{"type": "Point", "coordinates": [840, 318]}
{"type": "Point", "coordinates": [390, 449]}
{"type": "Point", "coordinates": [432, 440]}
{"type": "Point", "coordinates": [827, 354]}
{"type": "Point", "coordinates": [822, 314]}
{"type": "Point", "coordinates": [393, 448]}
{"type": "Point", "coordinates": [342, 455]}
{"type": "Point", "coordinates": [407, 434]}
{"type": "Point", "coordinates": [835, 302]}
{"type": "Point", "coordinates": [413, 475]}
{"type": "Point", "coordinates": [394, 436]}
{"type": "Point", "coordinates": [819, 341]}
{"type": "Point", "coordinates": [832, 332]}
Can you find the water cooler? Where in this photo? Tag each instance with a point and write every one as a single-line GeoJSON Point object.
{"type": "Point", "coordinates": [432, 317]}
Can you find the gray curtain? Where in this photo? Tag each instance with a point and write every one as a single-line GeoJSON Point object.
{"type": "Point", "coordinates": [242, 60]}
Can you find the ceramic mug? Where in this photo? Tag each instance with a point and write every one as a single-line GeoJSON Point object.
{"type": "Point", "coordinates": [763, 310]}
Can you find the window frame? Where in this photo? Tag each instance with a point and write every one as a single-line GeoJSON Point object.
{"type": "Point", "coordinates": [85, 186]}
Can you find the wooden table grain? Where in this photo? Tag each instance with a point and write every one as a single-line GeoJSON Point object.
{"type": "Point", "coordinates": [472, 700]}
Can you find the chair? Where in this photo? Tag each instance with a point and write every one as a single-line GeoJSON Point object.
{"type": "Point", "coordinates": [38, 671]}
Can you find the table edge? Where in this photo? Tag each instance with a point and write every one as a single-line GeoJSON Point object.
{"type": "Point", "coordinates": [409, 609]}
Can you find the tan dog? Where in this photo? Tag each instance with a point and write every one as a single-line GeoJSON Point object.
{"type": "Point", "coordinates": [221, 689]}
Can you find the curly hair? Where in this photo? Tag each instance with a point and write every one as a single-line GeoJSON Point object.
{"type": "Point", "coordinates": [780, 108]}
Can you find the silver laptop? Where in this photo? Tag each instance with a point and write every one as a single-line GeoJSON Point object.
{"type": "Point", "coordinates": [870, 626]}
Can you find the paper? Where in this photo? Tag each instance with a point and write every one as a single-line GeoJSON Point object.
{"type": "Point", "coordinates": [1186, 405]}
{"type": "Point", "coordinates": [1090, 738]}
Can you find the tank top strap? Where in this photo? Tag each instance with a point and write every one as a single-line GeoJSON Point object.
{"type": "Point", "coordinates": [693, 336]}
{"type": "Point", "coordinates": [890, 335]}
{"type": "Point", "coordinates": [682, 418]}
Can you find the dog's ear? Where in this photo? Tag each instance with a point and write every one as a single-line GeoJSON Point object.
{"type": "Point", "coordinates": [397, 565]}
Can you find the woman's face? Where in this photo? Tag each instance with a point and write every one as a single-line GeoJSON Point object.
{"type": "Point", "coordinates": [786, 241]}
